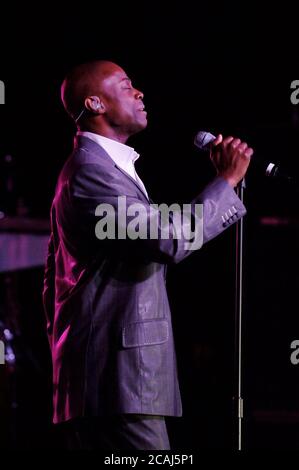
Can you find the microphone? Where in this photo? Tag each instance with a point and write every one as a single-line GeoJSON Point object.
{"type": "Point", "coordinates": [203, 140]}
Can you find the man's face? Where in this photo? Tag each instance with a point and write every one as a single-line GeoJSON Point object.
{"type": "Point", "coordinates": [124, 109]}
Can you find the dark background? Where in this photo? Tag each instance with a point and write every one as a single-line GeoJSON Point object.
{"type": "Point", "coordinates": [224, 69]}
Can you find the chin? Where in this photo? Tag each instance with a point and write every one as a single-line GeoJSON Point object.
{"type": "Point", "coordinates": [143, 123]}
{"type": "Point", "coordinates": [139, 127]}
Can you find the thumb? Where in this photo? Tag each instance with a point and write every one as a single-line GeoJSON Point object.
{"type": "Point", "coordinates": [217, 141]}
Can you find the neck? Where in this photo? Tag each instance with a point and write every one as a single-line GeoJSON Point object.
{"type": "Point", "coordinates": [108, 132]}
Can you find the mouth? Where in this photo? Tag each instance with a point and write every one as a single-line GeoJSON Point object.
{"type": "Point", "coordinates": [142, 109]}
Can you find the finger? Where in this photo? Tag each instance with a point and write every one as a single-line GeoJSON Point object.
{"type": "Point", "coordinates": [242, 147]}
{"type": "Point", "coordinates": [217, 141]}
{"type": "Point", "coordinates": [235, 143]}
{"type": "Point", "coordinates": [227, 140]}
{"type": "Point", "coordinates": [248, 153]}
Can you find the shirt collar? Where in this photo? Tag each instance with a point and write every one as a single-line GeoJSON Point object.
{"type": "Point", "coordinates": [122, 154]}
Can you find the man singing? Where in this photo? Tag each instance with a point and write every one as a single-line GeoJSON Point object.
{"type": "Point", "coordinates": [108, 316]}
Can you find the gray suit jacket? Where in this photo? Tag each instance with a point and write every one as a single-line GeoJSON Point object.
{"type": "Point", "coordinates": [108, 316]}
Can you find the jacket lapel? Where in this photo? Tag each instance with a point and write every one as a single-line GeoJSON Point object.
{"type": "Point", "coordinates": [93, 147]}
{"type": "Point", "coordinates": [133, 181]}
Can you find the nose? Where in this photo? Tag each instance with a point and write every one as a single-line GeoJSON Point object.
{"type": "Point", "coordinates": [139, 95]}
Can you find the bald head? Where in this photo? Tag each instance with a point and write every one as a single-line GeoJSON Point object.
{"type": "Point", "coordinates": [100, 97]}
{"type": "Point", "coordinates": [82, 81]}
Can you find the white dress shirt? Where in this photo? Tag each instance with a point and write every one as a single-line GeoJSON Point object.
{"type": "Point", "coordinates": [123, 155]}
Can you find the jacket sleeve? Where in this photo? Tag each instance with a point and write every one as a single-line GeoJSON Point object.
{"type": "Point", "coordinates": [211, 212]}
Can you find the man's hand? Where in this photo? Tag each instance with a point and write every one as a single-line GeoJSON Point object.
{"type": "Point", "coordinates": [231, 158]}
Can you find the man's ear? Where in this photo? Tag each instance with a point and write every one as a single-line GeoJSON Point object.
{"type": "Point", "coordinates": [94, 104]}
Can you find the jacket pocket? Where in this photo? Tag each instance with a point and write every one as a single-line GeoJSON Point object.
{"type": "Point", "coordinates": [145, 333]}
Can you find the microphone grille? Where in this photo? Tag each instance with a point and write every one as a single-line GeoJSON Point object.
{"type": "Point", "coordinates": [203, 139]}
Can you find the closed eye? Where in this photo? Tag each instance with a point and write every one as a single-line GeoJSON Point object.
{"type": "Point", "coordinates": [128, 83]}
